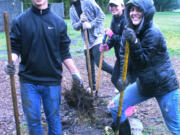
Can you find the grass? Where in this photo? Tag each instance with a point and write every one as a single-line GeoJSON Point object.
{"type": "Point", "coordinates": [168, 22]}
{"type": "Point", "coordinates": [2, 41]}
{"type": "Point", "coordinates": [3, 55]}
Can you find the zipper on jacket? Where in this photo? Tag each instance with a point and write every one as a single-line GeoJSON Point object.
{"type": "Point", "coordinates": [41, 12]}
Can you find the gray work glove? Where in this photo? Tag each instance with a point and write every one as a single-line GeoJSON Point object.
{"type": "Point", "coordinates": [77, 79]}
{"type": "Point", "coordinates": [83, 17]}
{"type": "Point", "coordinates": [10, 69]}
{"type": "Point", "coordinates": [86, 25]}
{"type": "Point", "coordinates": [120, 85]}
{"type": "Point", "coordinates": [129, 35]}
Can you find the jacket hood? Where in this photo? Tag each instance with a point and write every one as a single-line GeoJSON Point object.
{"type": "Point", "coordinates": [148, 9]}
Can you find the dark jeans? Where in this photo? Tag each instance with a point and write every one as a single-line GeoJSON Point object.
{"type": "Point", "coordinates": [116, 72]}
{"type": "Point", "coordinates": [94, 59]}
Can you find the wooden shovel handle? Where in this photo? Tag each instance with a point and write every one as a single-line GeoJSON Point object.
{"type": "Point", "coordinates": [125, 67]}
{"type": "Point", "coordinates": [13, 90]}
{"type": "Point", "coordinates": [88, 60]}
{"type": "Point", "coordinates": [99, 72]}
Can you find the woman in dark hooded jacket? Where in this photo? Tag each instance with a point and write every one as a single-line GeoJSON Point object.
{"type": "Point", "coordinates": [149, 60]}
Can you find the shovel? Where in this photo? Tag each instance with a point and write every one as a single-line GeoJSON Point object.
{"type": "Point", "coordinates": [125, 66]}
{"type": "Point", "coordinates": [13, 90]}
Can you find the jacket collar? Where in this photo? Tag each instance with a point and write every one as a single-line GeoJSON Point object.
{"type": "Point", "coordinates": [40, 11]}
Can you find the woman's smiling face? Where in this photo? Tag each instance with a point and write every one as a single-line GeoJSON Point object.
{"type": "Point", "coordinates": [115, 9]}
{"type": "Point", "coordinates": [136, 15]}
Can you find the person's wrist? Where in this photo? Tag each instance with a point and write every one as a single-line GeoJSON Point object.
{"type": "Point", "coordinates": [136, 41]}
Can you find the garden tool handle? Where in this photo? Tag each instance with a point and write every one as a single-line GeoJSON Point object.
{"type": "Point", "coordinates": [99, 72]}
{"type": "Point", "coordinates": [100, 66]}
{"type": "Point", "coordinates": [12, 81]}
{"type": "Point", "coordinates": [125, 67]}
{"type": "Point", "coordinates": [88, 60]}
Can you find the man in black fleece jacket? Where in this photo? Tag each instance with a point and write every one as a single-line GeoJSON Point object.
{"type": "Point", "coordinates": [40, 38]}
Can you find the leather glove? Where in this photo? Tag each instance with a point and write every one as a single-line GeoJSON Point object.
{"type": "Point", "coordinates": [109, 32]}
{"type": "Point", "coordinates": [86, 25]}
{"type": "Point", "coordinates": [10, 69]}
{"type": "Point", "coordinates": [129, 35]}
{"type": "Point", "coordinates": [103, 47]}
{"type": "Point", "coordinates": [77, 79]}
{"type": "Point", "coordinates": [120, 85]}
{"type": "Point", "coordinates": [83, 18]}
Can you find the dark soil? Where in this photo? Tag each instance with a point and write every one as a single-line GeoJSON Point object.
{"type": "Point", "coordinates": [74, 122]}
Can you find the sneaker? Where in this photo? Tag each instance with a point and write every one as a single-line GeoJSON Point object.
{"type": "Point", "coordinates": [108, 130]}
{"type": "Point", "coordinates": [89, 90]}
{"type": "Point", "coordinates": [116, 90]}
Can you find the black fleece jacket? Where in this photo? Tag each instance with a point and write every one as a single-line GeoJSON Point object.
{"type": "Point", "coordinates": [117, 26]}
{"type": "Point", "coordinates": [40, 38]}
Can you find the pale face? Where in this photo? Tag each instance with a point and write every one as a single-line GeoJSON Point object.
{"type": "Point", "coordinates": [116, 10]}
{"type": "Point", "coordinates": [41, 4]}
{"type": "Point", "coordinates": [136, 15]}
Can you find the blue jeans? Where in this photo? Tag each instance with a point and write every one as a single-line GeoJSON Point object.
{"type": "Point", "coordinates": [169, 105]}
{"type": "Point", "coordinates": [32, 96]}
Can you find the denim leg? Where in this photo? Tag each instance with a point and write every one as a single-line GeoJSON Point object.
{"type": "Point", "coordinates": [105, 66]}
{"type": "Point", "coordinates": [169, 105]}
{"type": "Point", "coordinates": [131, 98]}
{"type": "Point", "coordinates": [31, 102]}
{"type": "Point", "coordinates": [92, 67]}
{"type": "Point", "coordinates": [51, 103]}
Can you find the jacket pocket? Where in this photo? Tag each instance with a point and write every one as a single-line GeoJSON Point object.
{"type": "Point", "coordinates": [148, 81]}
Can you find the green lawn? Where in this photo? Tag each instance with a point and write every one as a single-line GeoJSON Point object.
{"type": "Point", "coordinates": [168, 22]}
{"type": "Point", "coordinates": [2, 41]}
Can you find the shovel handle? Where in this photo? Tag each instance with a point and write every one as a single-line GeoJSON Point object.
{"type": "Point", "coordinates": [99, 72]}
{"type": "Point", "coordinates": [88, 60]}
{"type": "Point", "coordinates": [13, 90]}
{"type": "Point", "coordinates": [125, 67]}
{"type": "Point", "coordinates": [100, 65]}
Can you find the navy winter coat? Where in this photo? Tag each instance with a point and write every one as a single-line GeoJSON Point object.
{"type": "Point", "coordinates": [149, 59]}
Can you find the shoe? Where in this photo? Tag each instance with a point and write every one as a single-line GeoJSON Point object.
{"type": "Point", "coordinates": [108, 130]}
{"type": "Point", "coordinates": [124, 128]}
{"type": "Point", "coordinates": [89, 90]}
{"type": "Point", "coordinates": [116, 90]}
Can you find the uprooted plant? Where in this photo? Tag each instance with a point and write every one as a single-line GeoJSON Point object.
{"type": "Point", "coordinates": [79, 98]}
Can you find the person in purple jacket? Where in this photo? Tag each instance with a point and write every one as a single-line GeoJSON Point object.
{"type": "Point", "coordinates": [40, 39]}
